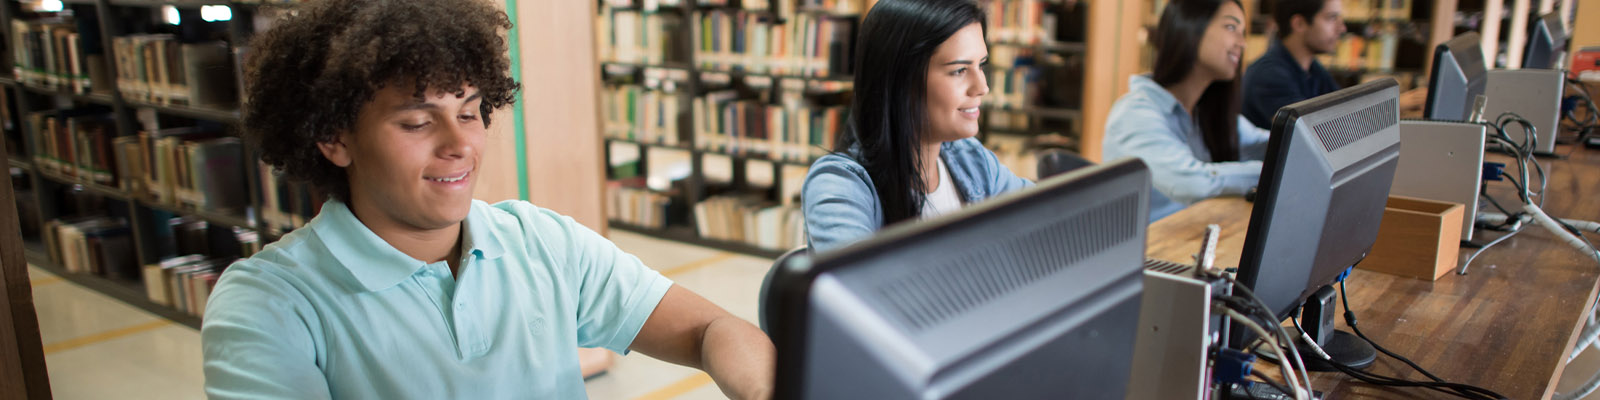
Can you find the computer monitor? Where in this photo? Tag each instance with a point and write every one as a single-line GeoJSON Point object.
{"type": "Point", "coordinates": [1324, 184]}
{"type": "Point", "coordinates": [1547, 43]}
{"type": "Point", "coordinates": [1458, 79]}
{"type": "Point", "coordinates": [1035, 294]}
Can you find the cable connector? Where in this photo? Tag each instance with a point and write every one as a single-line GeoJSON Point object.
{"type": "Point", "coordinates": [1232, 366]}
{"type": "Point", "coordinates": [1492, 171]}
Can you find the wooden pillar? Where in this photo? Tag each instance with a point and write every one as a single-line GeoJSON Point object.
{"type": "Point", "coordinates": [1115, 41]}
{"type": "Point", "coordinates": [1492, 13]}
{"type": "Point", "coordinates": [1519, 34]}
{"type": "Point", "coordinates": [561, 153]}
{"type": "Point", "coordinates": [22, 369]}
{"type": "Point", "coordinates": [1444, 28]}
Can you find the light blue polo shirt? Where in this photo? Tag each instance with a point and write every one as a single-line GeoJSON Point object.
{"type": "Point", "coordinates": [333, 311]}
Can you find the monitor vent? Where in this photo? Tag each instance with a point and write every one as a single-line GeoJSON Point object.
{"type": "Point", "coordinates": [1353, 127]}
{"type": "Point", "coordinates": [1166, 267]}
{"type": "Point", "coordinates": [923, 297]}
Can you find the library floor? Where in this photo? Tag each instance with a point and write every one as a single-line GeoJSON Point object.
{"type": "Point", "coordinates": [99, 348]}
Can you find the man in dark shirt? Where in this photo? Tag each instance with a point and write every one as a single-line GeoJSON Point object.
{"type": "Point", "coordinates": [1289, 71]}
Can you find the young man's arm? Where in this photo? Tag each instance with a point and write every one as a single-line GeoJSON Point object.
{"type": "Point", "coordinates": [623, 305]}
{"type": "Point", "coordinates": [687, 329]}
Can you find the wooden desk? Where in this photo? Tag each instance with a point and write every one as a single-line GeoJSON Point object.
{"type": "Point", "coordinates": [1508, 325]}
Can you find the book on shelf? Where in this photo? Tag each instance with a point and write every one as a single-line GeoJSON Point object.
{"type": "Point", "coordinates": [158, 69]}
{"type": "Point", "coordinates": [639, 114]}
{"type": "Point", "coordinates": [638, 36]}
{"type": "Point", "coordinates": [725, 124]}
{"type": "Point", "coordinates": [1360, 53]}
{"type": "Point", "coordinates": [58, 52]}
{"type": "Point", "coordinates": [286, 204]}
{"type": "Point", "coordinates": [805, 45]}
{"type": "Point", "coordinates": [100, 246]}
{"type": "Point", "coordinates": [752, 220]}
{"type": "Point", "coordinates": [632, 202]}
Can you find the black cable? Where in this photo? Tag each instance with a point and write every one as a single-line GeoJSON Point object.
{"type": "Point", "coordinates": [1350, 319]}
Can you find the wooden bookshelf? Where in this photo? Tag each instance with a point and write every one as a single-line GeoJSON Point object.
{"type": "Point", "coordinates": [28, 98]}
{"type": "Point", "coordinates": [697, 76]}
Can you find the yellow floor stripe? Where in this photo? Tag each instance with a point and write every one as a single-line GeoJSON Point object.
{"type": "Point", "coordinates": [686, 268]}
{"type": "Point", "coordinates": [678, 388]}
{"type": "Point", "coordinates": [74, 343]}
{"type": "Point", "coordinates": [46, 281]}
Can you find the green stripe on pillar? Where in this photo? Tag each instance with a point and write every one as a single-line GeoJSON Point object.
{"type": "Point", "coordinates": [516, 108]}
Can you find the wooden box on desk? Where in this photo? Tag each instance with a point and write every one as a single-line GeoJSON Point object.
{"type": "Point", "coordinates": [1419, 239]}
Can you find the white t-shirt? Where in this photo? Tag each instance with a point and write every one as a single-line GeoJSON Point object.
{"type": "Point", "coordinates": [943, 200]}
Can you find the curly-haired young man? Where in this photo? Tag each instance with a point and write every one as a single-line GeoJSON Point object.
{"type": "Point", "coordinates": [404, 286]}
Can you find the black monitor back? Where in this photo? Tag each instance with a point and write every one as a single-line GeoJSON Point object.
{"type": "Point", "coordinates": [1035, 294]}
{"type": "Point", "coordinates": [1324, 184]}
{"type": "Point", "coordinates": [1458, 78]}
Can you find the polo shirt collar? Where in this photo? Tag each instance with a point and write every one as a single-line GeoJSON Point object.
{"type": "Point", "coordinates": [374, 263]}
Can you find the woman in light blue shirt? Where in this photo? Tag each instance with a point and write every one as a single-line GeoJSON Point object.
{"type": "Point", "coordinates": [918, 87]}
{"type": "Point", "coordinates": [1183, 119]}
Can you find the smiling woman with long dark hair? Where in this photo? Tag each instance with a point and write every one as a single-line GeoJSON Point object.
{"type": "Point", "coordinates": [1183, 119]}
{"type": "Point", "coordinates": [911, 151]}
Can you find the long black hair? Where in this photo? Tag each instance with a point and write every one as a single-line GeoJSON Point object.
{"type": "Point", "coordinates": [888, 111]}
{"type": "Point", "coordinates": [1183, 25]}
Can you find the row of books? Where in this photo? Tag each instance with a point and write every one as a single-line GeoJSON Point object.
{"type": "Point", "coordinates": [49, 52]}
{"type": "Point", "coordinates": [640, 37]}
{"type": "Point", "coordinates": [751, 220]}
{"type": "Point", "coordinates": [630, 201]}
{"type": "Point", "coordinates": [639, 114]}
{"type": "Point", "coordinates": [286, 204]}
{"type": "Point", "coordinates": [184, 282]}
{"type": "Point", "coordinates": [95, 245]}
{"type": "Point", "coordinates": [185, 166]}
{"type": "Point", "coordinates": [157, 68]}
{"type": "Point", "coordinates": [723, 123]}
{"type": "Point", "coordinates": [805, 45]}
{"type": "Point", "coordinates": [75, 143]}
{"type": "Point", "coordinates": [1365, 53]}
{"type": "Point", "coordinates": [1020, 22]}
{"type": "Point", "coordinates": [1357, 10]}
{"type": "Point", "coordinates": [1012, 88]}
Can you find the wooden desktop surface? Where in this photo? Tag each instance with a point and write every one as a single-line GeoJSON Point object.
{"type": "Point", "coordinates": [1508, 325]}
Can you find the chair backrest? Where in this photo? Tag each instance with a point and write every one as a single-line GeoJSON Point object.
{"type": "Point", "coordinates": [765, 300]}
{"type": "Point", "coordinates": [1055, 161]}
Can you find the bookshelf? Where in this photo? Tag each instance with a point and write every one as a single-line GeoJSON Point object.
{"type": "Point", "coordinates": [128, 153]}
{"type": "Point", "coordinates": [684, 82]}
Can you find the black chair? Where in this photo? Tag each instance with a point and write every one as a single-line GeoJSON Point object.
{"type": "Point", "coordinates": [767, 300]}
{"type": "Point", "coordinates": [1056, 161]}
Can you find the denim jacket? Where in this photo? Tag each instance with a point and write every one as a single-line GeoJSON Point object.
{"type": "Point", "coordinates": [841, 205]}
{"type": "Point", "coordinates": [1150, 124]}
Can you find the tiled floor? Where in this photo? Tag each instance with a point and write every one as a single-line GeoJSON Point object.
{"type": "Point", "coordinates": [99, 348]}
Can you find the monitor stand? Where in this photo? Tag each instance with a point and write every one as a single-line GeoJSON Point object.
{"type": "Point", "coordinates": [1316, 317]}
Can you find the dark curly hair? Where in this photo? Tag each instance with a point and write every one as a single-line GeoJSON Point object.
{"type": "Point", "coordinates": [310, 74]}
